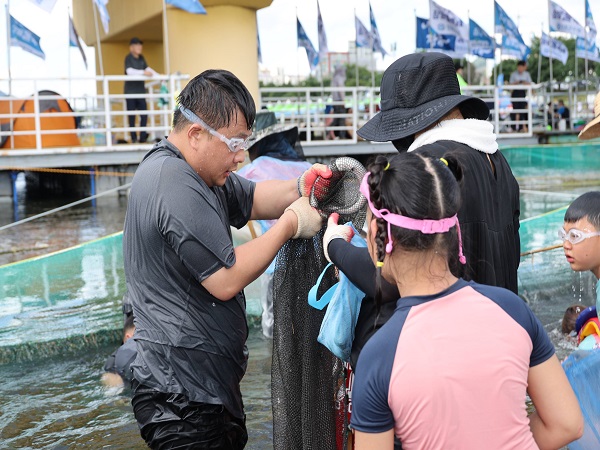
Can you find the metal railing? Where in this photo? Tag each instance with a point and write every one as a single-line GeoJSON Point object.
{"type": "Point", "coordinates": [310, 109]}
{"type": "Point", "coordinates": [98, 119]}
{"type": "Point", "coordinates": [324, 116]}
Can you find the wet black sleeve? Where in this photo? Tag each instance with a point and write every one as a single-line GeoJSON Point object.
{"type": "Point", "coordinates": [357, 265]}
{"type": "Point", "coordinates": [109, 366]}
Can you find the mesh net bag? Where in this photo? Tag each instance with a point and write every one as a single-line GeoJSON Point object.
{"type": "Point", "coordinates": [308, 382]}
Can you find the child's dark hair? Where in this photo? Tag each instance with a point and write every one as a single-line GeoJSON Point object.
{"type": "Point", "coordinates": [128, 325]}
{"type": "Point", "coordinates": [586, 206]}
{"type": "Point", "coordinates": [418, 186]}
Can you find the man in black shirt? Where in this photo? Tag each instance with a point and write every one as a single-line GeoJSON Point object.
{"type": "Point", "coordinates": [135, 65]}
{"type": "Point", "coordinates": [185, 279]}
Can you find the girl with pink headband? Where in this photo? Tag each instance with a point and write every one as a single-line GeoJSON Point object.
{"type": "Point", "coordinates": [454, 364]}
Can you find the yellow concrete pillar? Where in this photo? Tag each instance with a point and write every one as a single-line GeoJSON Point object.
{"type": "Point", "coordinates": [225, 38]}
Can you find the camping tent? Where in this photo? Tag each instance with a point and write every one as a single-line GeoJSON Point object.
{"type": "Point", "coordinates": [51, 102]}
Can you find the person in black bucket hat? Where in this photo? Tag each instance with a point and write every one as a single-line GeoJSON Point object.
{"type": "Point", "coordinates": [417, 91]}
{"type": "Point", "coordinates": [422, 110]}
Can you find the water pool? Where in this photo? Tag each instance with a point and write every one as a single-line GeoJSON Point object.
{"type": "Point", "coordinates": [59, 403]}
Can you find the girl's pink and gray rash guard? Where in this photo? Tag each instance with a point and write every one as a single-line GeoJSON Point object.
{"type": "Point", "coordinates": [449, 371]}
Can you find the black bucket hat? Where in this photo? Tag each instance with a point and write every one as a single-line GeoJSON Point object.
{"type": "Point", "coordinates": [270, 138]}
{"type": "Point", "coordinates": [416, 91]}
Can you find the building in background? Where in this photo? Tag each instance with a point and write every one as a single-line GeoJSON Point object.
{"type": "Point", "coordinates": [225, 37]}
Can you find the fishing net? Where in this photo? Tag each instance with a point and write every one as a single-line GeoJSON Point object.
{"type": "Point", "coordinates": [308, 383]}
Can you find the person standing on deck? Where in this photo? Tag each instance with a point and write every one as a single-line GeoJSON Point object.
{"type": "Point", "coordinates": [520, 77]}
{"type": "Point", "coordinates": [135, 66]}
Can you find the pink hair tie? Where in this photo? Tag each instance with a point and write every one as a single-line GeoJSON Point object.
{"type": "Point", "coordinates": [425, 226]}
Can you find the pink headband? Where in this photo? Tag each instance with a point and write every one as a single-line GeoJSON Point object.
{"type": "Point", "coordinates": [425, 226]}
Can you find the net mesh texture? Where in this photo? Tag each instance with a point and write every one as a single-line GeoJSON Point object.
{"type": "Point", "coordinates": [308, 388]}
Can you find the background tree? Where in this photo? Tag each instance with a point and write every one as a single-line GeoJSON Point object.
{"type": "Point", "coordinates": [364, 76]}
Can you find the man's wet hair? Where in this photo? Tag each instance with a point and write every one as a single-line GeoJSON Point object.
{"type": "Point", "coordinates": [215, 96]}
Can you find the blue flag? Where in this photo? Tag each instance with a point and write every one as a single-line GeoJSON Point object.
{"type": "Point", "coordinates": [377, 45]}
{"type": "Point", "coordinates": [589, 21]}
{"type": "Point", "coordinates": [512, 42]}
{"type": "Point", "coordinates": [504, 24]}
{"type": "Point", "coordinates": [191, 6]}
{"type": "Point", "coordinates": [363, 37]}
{"type": "Point", "coordinates": [304, 41]}
{"type": "Point", "coordinates": [429, 39]}
{"type": "Point", "coordinates": [21, 36]}
{"type": "Point", "coordinates": [480, 42]}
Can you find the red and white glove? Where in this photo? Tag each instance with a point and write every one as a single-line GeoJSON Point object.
{"type": "Point", "coordinates": [308, 178]}
{"type": "Point", "coordinates": [335, 231]}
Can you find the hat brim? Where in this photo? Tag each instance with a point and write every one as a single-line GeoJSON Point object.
{"type": "Point", "coordinates": [398, 123]}
{"type": "Point", "coordinates": [260, 140]}
{"type": "Point", "coordinates": [591, 130]}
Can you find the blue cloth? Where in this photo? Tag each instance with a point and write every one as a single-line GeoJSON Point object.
{"type": "Point", "coordinates": [343, 302]}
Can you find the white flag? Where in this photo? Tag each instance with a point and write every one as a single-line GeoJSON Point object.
{"type": "Point", "coordinates": [561, 20]}
{"type": "Point", "coordinates": [363, 37]}
{"type": "Point", "coordinates": [104, 17]}
{"type": "Point", "coordinates": [74, 40]}
{"type": "Point", "coordinates": [444, 21]}
{"type": "Point", "coordinates": [553, 48]}
{"type": "Point", "coordinates": [323, 49]}
{"type": "Point", "coordinates": [46, 5]}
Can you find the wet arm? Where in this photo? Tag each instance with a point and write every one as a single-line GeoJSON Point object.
{"type": "Point", "coordinates": [271, 197]}
{"type": "Point", "coordinates": [369, 441]}
{"type": "Point", "coordinates": [251, 259]}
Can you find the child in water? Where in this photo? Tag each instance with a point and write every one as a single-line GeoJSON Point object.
{"type": "Point", "coordinates": [581, 243]}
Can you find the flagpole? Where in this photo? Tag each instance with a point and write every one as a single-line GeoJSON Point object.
{"type": "Point", "coordinates": [372, 51]}
{"type": "Point", "coordinates": [10, 102]}
{"type": "Point", "coordinates": [69, 56]}
{"type": "Point", "coordinates": [166, 39]}
{"type": "Point", "coordinates": [355, 48]}
{"type": "Point", "coordinates": [468, 48]}
{"type": "Point", "coordinates": [540, 56]}
{"type": "Point", "coordinates": [297, 45]}
{"type": "Point", "coordinates": [98, 39]}
{"type": "Point", "coordinates": [8, 43]}
{"type": "Point", "coordinates": [585, 47]}
{"type": "Point", "coordinates": [551, 75]}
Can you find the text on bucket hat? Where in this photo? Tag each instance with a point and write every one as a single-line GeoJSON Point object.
{"type": "Point", "coordinates": [417, 90]}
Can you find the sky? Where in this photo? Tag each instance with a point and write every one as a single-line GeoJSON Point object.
{"type": "Point", "coordinates": [277, 29]}
{"type": "Point", "coordinates": [395, 22]}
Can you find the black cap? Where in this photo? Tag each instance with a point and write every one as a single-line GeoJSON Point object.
{"type": "Point", "coordinates": [135, 40]}
{"type": "Point", "coordinates": [416, 91]}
